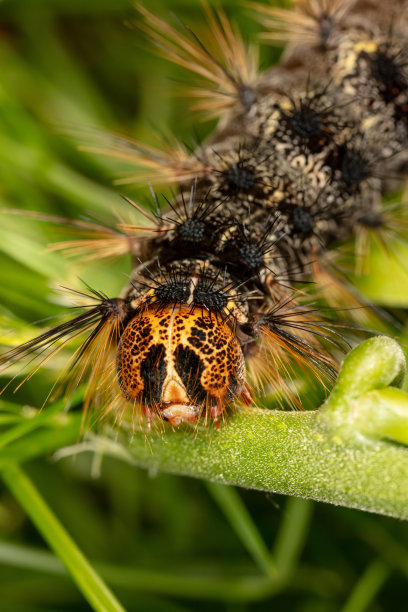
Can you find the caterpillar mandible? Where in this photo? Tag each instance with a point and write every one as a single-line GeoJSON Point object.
{"type": "Point", "coordinates": [300, 159]}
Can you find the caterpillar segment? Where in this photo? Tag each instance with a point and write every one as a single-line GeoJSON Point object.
{"type": "Point", "coordinates": [222, 276]}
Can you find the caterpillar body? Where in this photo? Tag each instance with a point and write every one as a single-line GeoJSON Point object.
{"type": "Point", "coordinates": [301, 158]}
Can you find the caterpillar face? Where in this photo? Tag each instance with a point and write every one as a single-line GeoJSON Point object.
{"type": "Point", "coordinates": [180, 364]}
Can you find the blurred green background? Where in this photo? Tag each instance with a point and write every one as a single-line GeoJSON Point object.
{"type": "Point", "coordinates": [161, 542]}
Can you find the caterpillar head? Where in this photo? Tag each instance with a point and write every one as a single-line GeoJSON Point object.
{"type": "Point", "coordinates": [180, 363]}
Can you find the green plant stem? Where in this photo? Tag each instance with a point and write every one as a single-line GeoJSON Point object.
{"type": "Point", "coordinates": [89, 583]}
{"type": "Point", "coordinates": [284, 453]}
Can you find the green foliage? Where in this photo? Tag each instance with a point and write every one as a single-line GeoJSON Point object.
{"type": "Point", "coordinates": [162, 542]}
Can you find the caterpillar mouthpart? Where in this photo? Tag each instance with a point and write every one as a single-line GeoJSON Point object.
{"type": "Point", "coordinates": [178, 413]}
{"type": "Point", "coordinates": [180, 363]}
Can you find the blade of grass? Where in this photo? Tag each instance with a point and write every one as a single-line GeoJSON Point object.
{"type": "Point", "coordinates": [195, 583]}
{"type": "Point", "coordinates": [53, 175]}
{"type": "Point", "coordinates": [27, 419]}
{"type": "Point", "coordinates": [48, 418]}
{"type": "Point", "coordinates": [380, 539]}
{"type": "Point", "coordinates": [292, 535]}
{"type": "Point", "coordinates": [88, 581]}
{"type": "Point", "coordinates": [43, 441]}
{"type": "Point", "coordinates": [28, 252]}
{"type": "Point", "coordinates": [24, 557]}
{"type": "Point", "coordinates": [367, 587]}
{"type": "Point", "coordinates": [29, 422]}
{"type": "Point", "coordinates": [240, 520]}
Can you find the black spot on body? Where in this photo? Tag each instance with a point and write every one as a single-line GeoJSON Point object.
{"type": "Point", "coordinates": [306, 122]}
{"type": "Point", "coordinates": [212, 299]}
{"type": "Point", "coordinates": [242, 255]}
{"type": "Point", "coordinates": [354, 169]}
{"type": "Point", "coordinates": [311, 126]}
{"type": "Point", "coordinates": [386, 71]}
{"type": "Point", "coordinates": [302, 220]}
{"type": "Point", "coordinates": [191, 230]}
{"type": "Point", "coordinates": [173, 291]}
{"type": "Point", "coordinates": [299, 218]}
{"type": "Point", "coordinates": [240, 178]}
{"type": "Point", "coordinates": [247, 96]}
{"type": "Point", "coordinates": [251, 256]}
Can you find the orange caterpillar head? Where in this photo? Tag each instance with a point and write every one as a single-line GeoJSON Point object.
{"type": "Point", "coordinates": [180, 363]}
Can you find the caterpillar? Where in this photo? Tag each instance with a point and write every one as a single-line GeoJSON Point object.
{"type": "Point", "coordinates": [232, 279]}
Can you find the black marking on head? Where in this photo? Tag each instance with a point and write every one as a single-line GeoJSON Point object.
{"type": "Point", "coordinates": [233, 386]}
{"type": "Point", "coordinates": [197, 338]}
{"type": "Point", "coordinates": [190, 368]}
{"type": "Point", "coordinates": [153, 372]}
{"type": "Point", "coordinates": [201, 323]}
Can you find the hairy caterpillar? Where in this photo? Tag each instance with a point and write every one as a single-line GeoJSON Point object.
{"type": "Point", "coordinates": [300, 159]}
